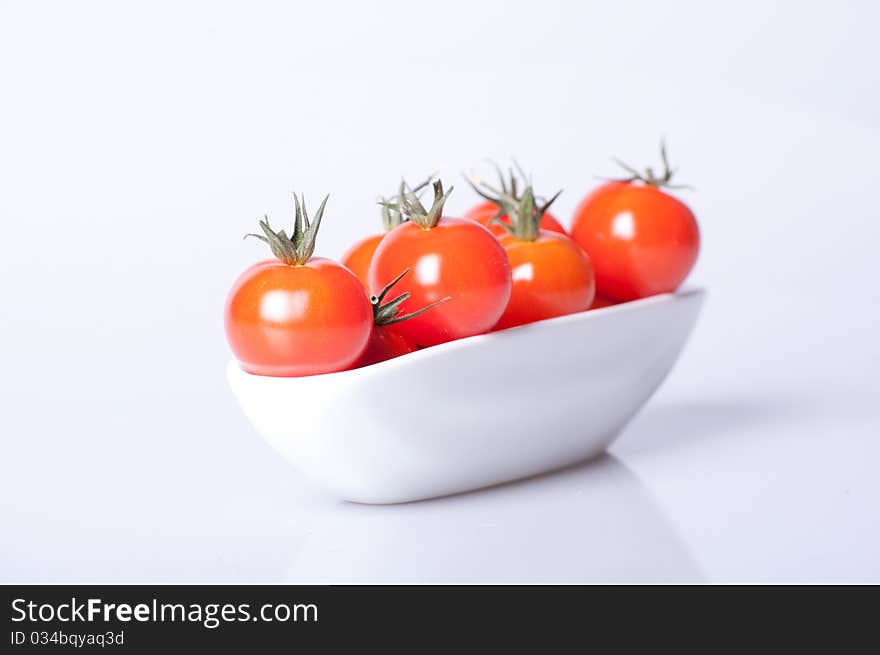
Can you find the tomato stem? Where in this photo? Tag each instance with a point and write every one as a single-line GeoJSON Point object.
{"type": "Point", "coordinates": [524, 212]}
{"type": "Point", "coordinates": [391, 216]}
{"type": "Point", "coordinates": [648, 177]}
{"type": "Point", "coordinates": [298, 248]}
{"type": "Point", "coordinates": [409, 204]}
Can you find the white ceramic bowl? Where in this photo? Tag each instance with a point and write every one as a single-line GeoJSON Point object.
{"type": "Point", "coordinates": [477, 411]}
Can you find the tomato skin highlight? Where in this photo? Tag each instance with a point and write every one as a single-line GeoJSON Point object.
{"type": "Point", "coordinates": [290, 321]}
{"type": "Point", "coordinates": [484, 212]}
{"type": "Point", "coordinates": [386, 342]}
{"type": "Point", "coordinates": [552, 276]}
{"type": "Point", "coordinates": [642, 241]}
{"type": "Point", "coordinates": [458, 259]}
{"type": "Point", "coordinates": [357, 259]}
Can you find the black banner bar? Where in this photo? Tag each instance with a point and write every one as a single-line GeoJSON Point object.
{"type": "Point", "coordinates": [154, 618]}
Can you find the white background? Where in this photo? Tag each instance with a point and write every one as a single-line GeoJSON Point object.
{"type": "Point", "coordinates": [139, 141]}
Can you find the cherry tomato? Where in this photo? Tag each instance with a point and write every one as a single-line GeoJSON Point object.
{"type": "Point", "coordinates": [552, 276]}
{"type": "Point", "coordinates": [484, 212]}
{"type": "Point", "coordinates": [297, 315]}
{"type": "Point", "coordinates": [357, 258]}
{"type": "Point", "coordinates": [642, 241]}
{"type": "Point", "coordinates": [449, 257]}
{"type": "Point", "coordinates": [457, 258]}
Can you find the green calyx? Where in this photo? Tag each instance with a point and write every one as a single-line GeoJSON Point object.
{"type": "Point", "coordinates": [410, 206]}
{"type": "Point", "coordinates": [389, 313]}
{"type": "Point", "coordinates": [296, 249]}
{"type": "Point", "coordinates": [391, 215]}
{"type": "Point", "coordinates": [524, 210]}
{"type": "Point", "coordinates": [648, 177]}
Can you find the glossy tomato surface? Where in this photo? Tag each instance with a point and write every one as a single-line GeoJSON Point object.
{"type": "Point", "coordinates": [458, 259]}
{"type": "Point", "coordinates": [486, 211]}
{"type": "Point", "coordinates": [284, 320]}
{"type": "Point", "coordinates": [642, 241]}
{"type": "Point", "coordinates": [552, 276]}
{"type": "Point", "coordinates": [386, 342]}
{"type": "Point", "coordinates": [357, 258]}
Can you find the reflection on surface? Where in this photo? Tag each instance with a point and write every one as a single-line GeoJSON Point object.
{"type": "Point", "coordinates": [592, 522]}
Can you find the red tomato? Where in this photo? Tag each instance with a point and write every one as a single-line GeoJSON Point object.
{"type": "Point", "coordinates": [297, 315]}
{"type": "Point", "coordinates": [357, 258]}
{"type": "Point", "coordinates": [552, 276]}
{"type": "Point", "coordinates": [386, 342]}
{"type": "Point", "coordinates": [457, 258]}
{"type": "Point", "coordinates": [642, 241]}
{"type": "Point", "coordinates": [484, 212]}
{"type": "Point", "coordinates": [449, 257]}
{"type": "Point", "coordinates": [287, 320]}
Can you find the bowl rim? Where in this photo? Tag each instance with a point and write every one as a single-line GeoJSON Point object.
{"type": "Point", "coordinates": [470, 342]}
